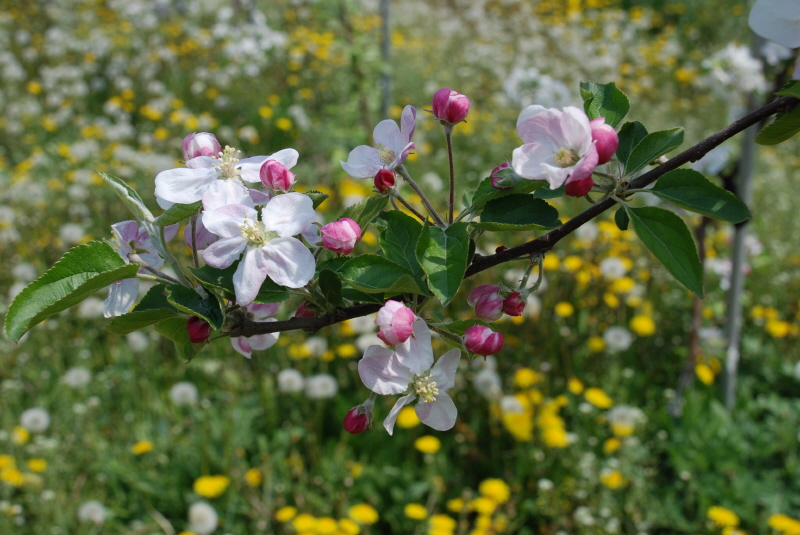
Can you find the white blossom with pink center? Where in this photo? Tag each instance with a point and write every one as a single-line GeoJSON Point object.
{"type": "Point", "coordinates": [393, 144]}
{"type": "Point", "coordinates": [410, 369]}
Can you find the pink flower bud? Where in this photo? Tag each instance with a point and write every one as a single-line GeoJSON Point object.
{"type": "Point", "coordinates": [481, 340]}
{"type": "Point", "coordinates": [513, 305]}
{"type": "Point", "coordinates": [487, 302]}
{"type": "Point", "coordinates": [199, 329]}
{"type": "Point", "coordinates": [304, 311]}
{"type": "Point", "coordinates": [449, 106]}
{"type": "Point", "coordinates": [341, 236]}
{"type": "Point", "coordinates": [359, 418]}
{"type": "Point", "coordinates": [275, 176]}
{"type": "Point", "coordinates": [384, 181]}
{"type": "Point", "coordinates": [396, 322]}
{"type": "Point", "coordinates": [605, 138]}
{"type": "Point", "coordinates": [579, 188]}
{"type": "Point", "coordinates": [498, 179]}
{"type": "Point", "coordinates": [500, 249]}
{"type": "Point", "coordinates": [200, 144]}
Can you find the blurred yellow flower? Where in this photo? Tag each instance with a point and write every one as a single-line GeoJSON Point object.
{"type": "Point", "coordinates": [575, 385]}
{"type": "Point", "coordinates": [612, 479]}
{"type": "Point", "coordinates": [555, 437]}
{"type": "Point", "coordinates": [564, 309]}
{"type": "Point", "coordinates": [253, 477]}
{"type": "Point", "coordinates": [643, 325]}
{"type": "Point", "coordinates": [572, 263]}
{"type": "Point", "coordinates": [519, 424]}
{"type": "Point", "coordinates": [37, 465]}
{"type": "Point", "coordinates": [7, 461]}
{"type": "Point", "coordinates": [496, 489]}
{"type": "Point", "coordinates": [326, 526]}
{"type": "Point", "coordinates": [211, 486]}
{"type": "Point", "coordinates": [551, 262]}
{"type": "Point", "coordinates": [525, 377]}
{"type": "Point", "coordinates": [611, 445]}
{"type": "Point", "coordinates": [704, 373]}
{"type": "Point", "coordinates": [284, 123]}
{"type": "Point", "coordinates": [143, 446]}
{"type": "Point", "coordinates": [428, 444]}
{"type": "Point", "coordinates": [785, 524]}
{"type": "Point", "coordinates": [304, 522]}
{"type": "Point", "coordinates": [347, 351]}
{"type": "Point", "coordinates": [415, 511]}
{"type": "Point", "coordinates": [598, 398]}
{"type": "Point", "coordinates": [724, 518]}
{"type": "Point", "coordinates": [12, 476]}
{"type": "Point", "coordinates": [777, 328]}
{"type": "Point", "coordinates": [285, 513]}
{"type": "Point", "coordinates": [442, 523]}
{"type": "Point", "coordinates": [20, 435]}
{"type": "Point", "coordinates": [407, 418]}
{"type": "Point", "coordinates": [348, 527]}
{"type": "Point", "coordinates": [483, 505]}
{"type": "Point", "coordinates": [455, 505]}
{"type": "Point", "coordinates": [363, 513]}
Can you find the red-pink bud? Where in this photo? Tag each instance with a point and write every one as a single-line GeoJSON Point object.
{"type": "Point", "coordinates": [605, 138]}
{"type": "Point", "coordinates": [199, 330]}
{"type": "Point", "coordinates": [275, 176]}
{"type": "Point", "coordinates": [481, 340]}
{"type": "Point", "coordinates": [449, 106]}
{"type": "Point", "coordinates": [384, 180]}
{"type": "Point", "coordinates": [500, 249]}
{"type": "Point", "coordinates": [359, 418]}
{"type": "Point", "coordinates": [579, 188]}
{"type": "Point", "coordinates": [513, 305]}
{"type": "Point", "coordinates": [487, 302]}
{"type": "Point", "coordinates": [340, 236]}
{"type": "Point", "coordinates": [496, 179]}
{"type": "Point", "coordinates": [304, 311]}
{"type": "Point", "coordinates": [396, 322]}
{"type": "Point", "coordinates": [200, 144]}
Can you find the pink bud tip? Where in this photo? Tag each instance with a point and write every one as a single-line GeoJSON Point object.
{"type": "Point", "coordinates": [487, 302]}
{"type": "Point", "coordinates": [579, 188]}
{"type": "Point", "coordinates": [513, 305]}
{"type": "Point", "coordinates": [449, 106]}
{"type": "Point", "coordinates": [481, 340]}
{"type": "Point", "coordinates": [340, 236]}
{"type": "Point", "coordinates": [199, 330]}
{"type": "Point", "coordinates": [497, 179]}
{"type": "Point", "coordinates": [384, 181]}
{"type": "Point", "coordinates": [275, 176]}
{"type": "Point", "coordinates": [396, 322]}
{"type": "Point", "coordinates": [304, 311]}
{"type": "Point", "coordinates": [200, 144]}
{"type": "Point", "coordinates": [500, 249]}
{"type": "Point", "coordinates": [605, 138]}
{"type": "Point", "coordinates": [357, 420]}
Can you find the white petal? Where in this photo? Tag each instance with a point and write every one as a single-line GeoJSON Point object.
{"type": "Point", "coordinates": [527, 161]}
{"type": "Point", "coordinates": [121, 296]}
{"type": "Point", "coordinates": [381, 372]}
{"type": "Point", "coordinates": [530, 111]}
{"type": "Point", "coordinates": [288, 262]}
{"type": "Point", "coordinates": [182, 185]}
{"type": "Point", "coordinates": [416, 353]}
{"type": "Point", "coordinates": [440, 414]}
{"type": "Point", "coordinates": [777, 20]}
{"type": "Point", "coordinates": [222, 253]}
{"type": "Point", "coordinates": [444, 371]}
{"type": "Point", "coordinates": [387, 133]}
{"type": "Point", "coordinates": [362, 162]}
{"type": "Point", "coordinates": [227, 220]}
{"type": "Point", "coordinates": [388, 423]}
{"type": "Point", "coordinates": [242, 346]}
{"type": "Point", "coordinates": [408, 122]}
{"type": "Point", "coordinates": [201, 162]}
{"type": "Point", "coordinates": [287, 157]}
{"type": "Point", "coordinates": [250, 168]}
{"type": "Point", "coordinates": [289, 214]}
{"type": "Point", "coordinates": [249, 275]}
{"type": "Point", "coordinates": [223, 192]}
{"type": "Point", "coordinates": [260, 342]}
{"type": "Point", "coordinates": [576, 129]}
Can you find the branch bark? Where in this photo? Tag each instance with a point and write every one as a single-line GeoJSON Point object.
{"type": "Point", "coordinates": [541, 244]}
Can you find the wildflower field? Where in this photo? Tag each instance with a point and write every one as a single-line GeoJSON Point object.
{"type": "Point", "coordinates": [603, 413]}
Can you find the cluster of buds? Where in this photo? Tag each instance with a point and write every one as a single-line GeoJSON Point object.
{"type": "Point", "coordinates": [491, 301]}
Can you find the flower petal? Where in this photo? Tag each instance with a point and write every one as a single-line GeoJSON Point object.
{"type": "Point", "coordinates": [222, 253]}
{"type": "Point", "coordinates": [182, 185]}
{"type": "Point", "coordinates": [416, 353]}
{"type": "Point", "coordinates": [381, 372]}
{"type": "Point", "coordinates": [362, 162]}
{"type": "Point", "coordinates": [126, 231]}
{"type": "Point", "coordinates": [387, 133]}
{"type": "Point", "coordinates": [408, 122]}
{"type": "Point", "coordinates": [223, 192]}
{"type": "Point", "coordinates": [242, 346]}
{"type": "Point", "coordinates": [287, 262]}
{"type": "Point", "coordinates": [388, 423]}
{"type": "Point", "coordinates": [226, 221]}
{"type": "Point", "coordinates": [444, 371]}
{"type": "Point", "coordinates": [249, 275]}
{"type": "Point", "coordinates": [289, 214]}
{"type": "Point", "coordinates": [439, 414]}
{"type": "Point", "coordinates": [121, 296]}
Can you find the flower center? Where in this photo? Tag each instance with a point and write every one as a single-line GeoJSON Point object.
{"type": "Point", "coordinates": [386, 154]}
{"type": "Point", "coordinates": [425, 388]}
{"type": "Point", "coordinates": [253, 232]}
{"type": "Point", "coordinates": [227, 162]}
{"type": "Point", "coordinates": [566, 157]}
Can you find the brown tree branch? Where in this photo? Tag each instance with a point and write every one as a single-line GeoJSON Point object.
{"type": "Point", "coordinates": [540, 244]}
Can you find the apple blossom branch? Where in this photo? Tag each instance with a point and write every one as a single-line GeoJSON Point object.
{"type": "Point", "coordinates": [541, 244]}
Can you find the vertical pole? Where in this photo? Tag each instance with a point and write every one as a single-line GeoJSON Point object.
{"type": "Point", "coordinates": [386, 52]}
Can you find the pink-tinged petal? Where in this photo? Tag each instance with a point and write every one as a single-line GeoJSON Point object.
{"type": "Point", "coordinates": [576, 128]}
{"type": "Point", "coordinates": [203, 236]}
{"type": "Point", "coordinates": [381, 372]}
{"type": "Point", "coordinates": [444, 371]}
{"type": "Point", "coordinates": [388, 423]}
{"type": "Point", "coordinates": [401, 157]}
{"type": "Point", "coordinates": [530, 111]}
{"type": "Point", "coordinates": [259, 198]}
{"type": "Point", "coordinates": [200, 144]}
{"type": "Point", "coordinates": [408, 122]}
{"type": "Point", "coordinates": [171, 231]}
{"type": "Point", "coordinates": [439, 414]}
{"type": "Point", "coordinates": [387, 133]}
{"type": "Point", "coordinates": [289, 214]}
{"type": "Point", "coordinates": [362, 162]}
{"type": "Point", "coordinates": [585, 166]}
{"type": "Point", "coordinates": [227, 220]}
{"type": "Point", "coordinates": [263, 311]}
{"type": "Point", "coordinates": [260, 342]}
{"type": "Point", "coordinates": [121, 296]}
{"type": "Point", "coordinates": [126, 231]}
{"type": "Point", "coordinates": [201, 162]}
{"type": "Point", "coordinates": [484, 290]}
{"type": "Point", "coordinates": [223, 192]}
{"type": "Point", "coordinates": [287, 262]}
{"type": "Point", "coordinates": [182, 185]}
{"type": "Point", "coordinates": [555, 175]}
{"type": "Point", "coordinates": [416, 353]}
{"type": "Point", "coordinates": [527, 161]}
{"type": "Point", "coordinates": [606, 139]}
{"type": "Point", "coordinates": [224, 252]}
{"type": "Point", "coordinates": [543, 128]}
{"type": "Point", "coordinates": [249, 275]}
{"type": "Point", "coordinates": [242, 346]}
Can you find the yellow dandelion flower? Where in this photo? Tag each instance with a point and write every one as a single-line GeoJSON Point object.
{"type": "Point", "coordinates": [778, 328]}
{"type": "Point", "coordinates": [407, 418]}
{"type": "Point", "coordinates": [555, 437]}
{"type": "Point", "coordinates": [347, 351]}
{"type": "Point", "coordinates": [428, 444]}
{"type": "Point", "coordinates": [551, 262]}
{"type": "Point", "coordinates": [143, 446]}
{"type": "Point", "coordinates": [7, 461]}
{"type": "Point", "coordinates": [455, 505]}
{"type": "Point", "coordinates": [12, 476]}
{"type": "Point", "coordinates": [611, 445]}
{"type": "Point", "coordinates": [363, 513]}
{"type": "Point", "coordinates": [284, 123]}
{"type": "Point", "coordinates": [575, 385]}
{"type": "Point", "coordinates": [253, 477]}
{"type": "Point", "coordinates": [348, 527]}
{"type": "Point", "coordinates": [442, 523]}
{"type": "Point", "coordinates": [496, 489]}
{"type": "Point", "coordinates": [483, 505]}
{"type": "Point", "coordinates": [525, 377]}
{"type": "Point", "coordinates": [724, 518]}
{"type": "Point", "coordinates": [326, 526]}
{"type": "Point", "coordinates": [211, 486]}
{"type": "Point", "coordinates": [785, 524]}
{"type": "Point", "coordinates": [20, 435]}
{"type": "Point", "coordinates": [37, 465]}
{"type": "Point", "coordinates": [564, 309]}
{"type": "Point", "coordinates": [598, 398]}
{"type": "Point", "coordinates": [612, 479]}
{"type": "Point", "coordinates": [643, 325]}
{"type": "Point", "coordinates": [285, 513]}
{"type": "Point", "coordinates": [572, 263]}
{"type": "Point", "coordinates": [304, 522]}
{"type": "Point", "coordinates": [704, 373]}
{"type": "Point", "coordinates": [415, 511]}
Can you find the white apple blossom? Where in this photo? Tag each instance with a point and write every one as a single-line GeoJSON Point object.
{"type": "Point", "coordinates": [410, 369]}
{"type": "Point", "coordinates": [268, 244]}
{"type": "Point", "coordinates": [393, 144]}
{"type": "Point", "coordinates": [777, 20]}
{"type": "Point", "coordinates": [258, 313]}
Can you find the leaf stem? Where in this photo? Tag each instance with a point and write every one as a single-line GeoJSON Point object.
{"type": "Point", "coordinates": [448, 134]}
{"type": "Point", "coordinates": [401, 170]}
{"type": "Point", "coordinates": [394, 194]}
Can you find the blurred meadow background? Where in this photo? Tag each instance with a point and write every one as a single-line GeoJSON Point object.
{"type": "Point", "coordinates": [603, 413]}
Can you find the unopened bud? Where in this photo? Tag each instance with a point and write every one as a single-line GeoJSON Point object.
{"type": "Point", "coordinates": [487, 302]}
{"type": "Point", "coordinates": [199, 330]}
{"type": "Point", "coordinates": [503, 176]}
{"type": "Point", "coordinates": [384, 181]}
{"type": "Point", "coordinates": [605, 139]}
{"type": "Point", "coordinates": [449, 106]}
{"type": "Point", "coordinates": [513, 305]}
{"type": "Point", "coordinates": [275, 176]}
{"type": "Point", "coordinates": [340, 236]}
{"type": "Point", "coordinates": [359, 418]}
{"type": "Point", "coordinates": [500, 249]}
{"type": "Point", "coordinates": [200, 144]}
{"type": "Point", "coordinates": [481, 340]}
{"type": "Point", "coordinates": [304, 311]}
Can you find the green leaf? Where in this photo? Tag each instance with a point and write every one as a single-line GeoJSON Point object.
{"type": "Point", "coordinates": [486, 192]}
{"type": "Point", "coordinates": [357, 296]}
{"type": "Point", "coordinates": [547, 193]}
{"type": "Point", "coordinates": [175, 329]}
{"type": "Point", "coordinates": [371, 274]}
{"type": "Point", "coordinates": [177, 213]}
{"type": "Point", "coordinates": [443, 254]}
{"type": "Point", "coordinates": [604, 100]}
{"type": "Point", "coordinates": [621, 218]}
{"type": "Point", "coordinates": [334, 264]}
{"type": "Point", "coordinates": [222, 279]}
{"type": "Point", "coordinates": [153, 308]}
{"type": "Point", "coordinates": [790, 89]}
{"type": "Point", "coordinates": [518, 212]}
{"type": "Point", "coordinates": [317, 197]}
{"type": "Point", "coordinates": [129, 196]}
{"type": "Point", "coordinates": [691, 190]}
{"type": "Point", "coordinates": [460, 327]}
{"type": "Point", "coordinates": [331, 287]}
{"type": "Point", "coordinates": [189, 302]}
{"type": "Point", "coordinates": [781, 129]}
{"type": "Point", "coordinates": [399, 234]}
{"type": "Point", "coordinates": [366, 210]}
{"type": "Point", "coordinates": [630, 135]}
{"type": "Point", "coordinates": [651, 147]}
{"type": "Point", "coordinates": [669, 239]}
{"type": "Point", "coordinates": [82, 271]}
